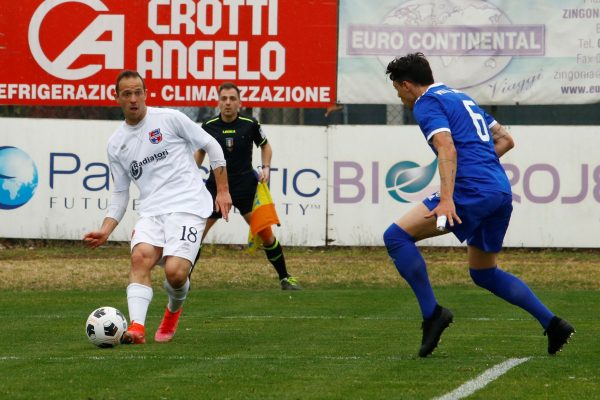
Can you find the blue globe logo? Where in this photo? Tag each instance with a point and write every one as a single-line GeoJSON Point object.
{"type": "Point", "coordinates": [18, 177]}
{"type": "Point", "coordinates": [407, 177]}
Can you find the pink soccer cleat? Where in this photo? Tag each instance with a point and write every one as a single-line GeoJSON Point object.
{"type": "Point", "coordinates": [135, 334]}
{"type": "Point", "coordinates": [168, 326]}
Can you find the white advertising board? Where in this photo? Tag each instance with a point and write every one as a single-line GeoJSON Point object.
{"type": "Point", "coordinates": [71, 175]}
{"type": "Point", "coordinates": [335, 185]}
{"type": "Point", "coordinates": [554, 172]}
{"type": "Point", "coordinates": [63, 182]}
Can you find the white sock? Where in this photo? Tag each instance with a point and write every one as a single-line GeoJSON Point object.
{"type": "Point", "coordinates": [176, 296]}
{"type": "Point", "coordinates": [138, 299]}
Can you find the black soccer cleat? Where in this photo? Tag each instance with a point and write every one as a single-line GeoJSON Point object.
{"type": "Point", "coordinates": [559, 332]}
{"type": "Point", "coordinates": [433, 328]}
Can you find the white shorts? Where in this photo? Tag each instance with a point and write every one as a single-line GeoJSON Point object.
{"type": "Point", "coordinates": [178, 234]}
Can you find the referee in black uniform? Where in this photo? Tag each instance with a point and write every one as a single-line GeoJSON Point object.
{"type": "Point", "coordinates": [236, 134]}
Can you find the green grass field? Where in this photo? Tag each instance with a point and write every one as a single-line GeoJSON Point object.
{"type": "Point", "coordinates": [356, 340]}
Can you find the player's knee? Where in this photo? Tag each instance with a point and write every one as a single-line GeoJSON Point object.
{"type": "Point", "coordinates": [394, 236]}
{"type": "Point", "coordinates": [388, 236]}
{"type": "Point", "coordinates": [144, 257]}
{"type": "Point", "coordinates": [140, 263]}
{"type": "Point", "coordinates": [176, 276]}
{"type": "Point", "coordinates": [483, 277]}
{"type": "Point", "coordinates": [176, 280]}
{"type": "Point", "coordinates": [137, 259]}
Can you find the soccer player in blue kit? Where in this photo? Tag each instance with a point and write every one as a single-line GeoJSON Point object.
{"type": "Point", "coordinates": [474, 201]}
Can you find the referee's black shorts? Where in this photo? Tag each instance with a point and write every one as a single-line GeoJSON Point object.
{"type": "Point", "coordinates": [242, 189]}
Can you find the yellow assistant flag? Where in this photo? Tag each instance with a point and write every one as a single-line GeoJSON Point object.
{"type": "Point", "coordinates": [263, 216]}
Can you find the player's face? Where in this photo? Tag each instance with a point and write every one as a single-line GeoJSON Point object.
{"type": "Point", "coordinates": [132, 99]}
{"type": "Point", "coordinates": [402, 88]}
{"type": "Point", "coordinates": [229, 104]}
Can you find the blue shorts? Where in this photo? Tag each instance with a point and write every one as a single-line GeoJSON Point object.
{"type": "Point", "coordinates": [485, 216]}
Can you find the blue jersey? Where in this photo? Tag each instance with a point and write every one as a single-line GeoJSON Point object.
{"type": "Point", "coordinates": [442, 108]}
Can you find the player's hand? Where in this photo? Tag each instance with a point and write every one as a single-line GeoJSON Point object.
{"type": "Point", "coordinates": [223, 204]}
{"type": "Point", "coordinates": [445, 208]}
{"type": "Point", "coordinates": [264, 174]}
{"type": "Point", "coordinates": [95, 239]}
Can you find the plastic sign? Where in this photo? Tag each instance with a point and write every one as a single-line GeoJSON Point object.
{"type": "Point", "coordinates": [69, 52]}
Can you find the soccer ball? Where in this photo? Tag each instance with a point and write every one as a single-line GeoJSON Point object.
{"type": "Point", "coordinates": [105, 327]}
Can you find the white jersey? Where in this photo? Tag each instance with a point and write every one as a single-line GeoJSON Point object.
{"type": "Point", "coordinates": [157, 155]}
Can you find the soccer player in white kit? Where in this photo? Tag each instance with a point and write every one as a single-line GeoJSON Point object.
{"type": "Point", "coordinates": [154, 148]}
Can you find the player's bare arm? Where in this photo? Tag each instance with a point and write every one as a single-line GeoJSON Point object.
{"type": "Point", "coordinates": [266, 153]}
{"type": "Point", "coordinates": [444, 146]}
{"type": "Point", "coordinates": [199, 157]}
{"type": "Point", "coordinates": [98, 238]}
{"type": "Point", "coordinates": [223, 200]}
{"type": "Point", "coordinates": [503, 141]}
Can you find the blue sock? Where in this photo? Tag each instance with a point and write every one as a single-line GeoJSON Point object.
{"type": "Point", "coordinates": [513, 290]}
{"type": "Point", "coordinates": [411, 266]}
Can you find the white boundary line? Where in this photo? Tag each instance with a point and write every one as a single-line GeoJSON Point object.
{"type": "Point", "coordinates": [327, 317]}
{"type": "Point", "coordinates": [286, 317]}
{"type": "Point", "coordinates": [470, 387]}
{"type": "Point", "coordinates": [198, 358]}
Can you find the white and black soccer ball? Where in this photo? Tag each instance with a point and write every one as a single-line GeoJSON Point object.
{"type": "Point", "coordinates": [105, 327]}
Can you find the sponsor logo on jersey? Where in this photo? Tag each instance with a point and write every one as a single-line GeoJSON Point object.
{"type": "Point", "coordinates": [135, 168]}
{"type": "Point", "coordinates": [155, 136]}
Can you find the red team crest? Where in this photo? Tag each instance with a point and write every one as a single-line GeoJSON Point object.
{"type": "Point", "coordinates": [155, 136]}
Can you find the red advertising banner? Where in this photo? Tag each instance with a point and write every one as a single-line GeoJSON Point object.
{"type": "Point", "coordinates": [281, 53]}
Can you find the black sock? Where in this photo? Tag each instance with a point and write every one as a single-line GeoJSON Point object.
{"type": "Point", "coordinates": [275, 257]}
